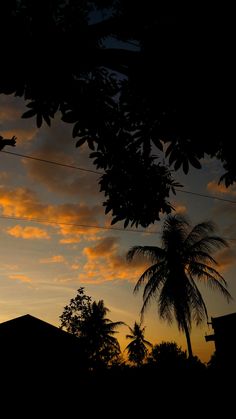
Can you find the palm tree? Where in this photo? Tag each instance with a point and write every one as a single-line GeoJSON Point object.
{"type": "Point", "coordinates": [137, 348]}
{"type": "Point", "coordinates": [98, 332]}
{"type": "Point", "coordinates": [185, 255]}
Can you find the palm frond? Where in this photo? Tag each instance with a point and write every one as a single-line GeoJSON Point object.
{"type": "Point", "coordinates": [149, 272]}
{"type": "Point", "coordinates": [199, 256]}
{"type": "Point", "coordinates": [200, 231]}
{"type": "Point", "coordinates": [156, 280]}
{"type": "Point", "coordinates": [151, 289]}
{"type": "Point", "coordinates": [213, 279]}
{"type": "Point", "coordinates": [209, 244]}
{"type": "Point", "coordinates": [175, 229]}
{"type": "Point", "coordinates": [165, 308]}
{"type": "Point", "coordinates": [199, 308]}
{"type": "Point", "coordinates": [153, 253]}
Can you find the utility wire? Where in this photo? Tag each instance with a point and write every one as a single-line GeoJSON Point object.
{"type": "Point", "coordinates": [101, 173]}
{"type": "Point", "coordinates": [207, 196]}
{"type": "Point", "coordinates": [52, 162]}
{"type": "Point", "coordinates": [43, 220]}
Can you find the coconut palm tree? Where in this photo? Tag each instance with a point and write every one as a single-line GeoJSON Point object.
{"type": "Point", "coordinates": [137, 348]}
{"type": "Point", "coordinates": [98, 332]}
{"type": "Point", "coordinates": [185, 255]}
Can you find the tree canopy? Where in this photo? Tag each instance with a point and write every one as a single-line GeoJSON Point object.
{"type": "Point", "coordinates": [87, 320]}
{"type": "Point", "coordinates": [130, 77]}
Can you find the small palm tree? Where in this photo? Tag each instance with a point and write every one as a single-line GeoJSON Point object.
{"type": "Point", "coordinates": [98, 332]}
{"type": "Point", "coordinates": [137, 348]}
{"type": "Point", "coordinates": [185, 255]}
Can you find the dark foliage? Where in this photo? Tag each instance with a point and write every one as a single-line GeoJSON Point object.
{"type": "Point", "coordinates": [129, 77]}
{"type": "Point", "coordinates": [87, 320]}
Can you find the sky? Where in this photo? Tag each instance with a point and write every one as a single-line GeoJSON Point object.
{"type": "Point", "coordinates": [43, 264]}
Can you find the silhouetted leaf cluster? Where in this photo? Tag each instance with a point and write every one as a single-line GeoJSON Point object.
{"type": "Point", "coordinates": [131, 77]}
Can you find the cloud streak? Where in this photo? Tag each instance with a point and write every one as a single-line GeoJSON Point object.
{"type": "Point", "coordinates": [79, 220]}
{"type": "Point", "coordinates": [106, 263]}
{"type": "Point", "coordinates": [214, 187]}
{"type": "Point", "coordinates": [54, 259]}
{"type": "Point", "coordinates": [20, 277]}
{"type": "Point", "coordinates": [28, 233]}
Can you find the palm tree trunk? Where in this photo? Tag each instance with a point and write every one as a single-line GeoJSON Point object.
{"type": "Point", "coordinates": [189, 345]}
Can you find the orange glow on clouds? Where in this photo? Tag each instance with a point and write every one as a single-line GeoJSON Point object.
{"type": "Point", "coordinates": [180, 209]}
{"type": "Point", "coordinates": [62, 180]}
{"type": "Point", "coordinates": [221, 188]}
{"type": "Point", "coordinates": [21, 278]}
{"type": "Point", "coordinates": [104, 263]}
{"type": "Point", "coordinates": [28, 232]}
{"type": "Point", "coordinates": [54, 259]}
{"type": "Point", "coordinates": [23, 202]}
{"type": "Point", "coordinates": [22, 134]}
{"type": "Point", "coordinates": [225, 259]}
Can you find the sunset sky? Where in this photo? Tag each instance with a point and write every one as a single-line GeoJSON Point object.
{"type": "Point", "coordinates": [42, 265]}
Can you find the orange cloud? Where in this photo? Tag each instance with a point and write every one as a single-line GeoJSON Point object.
{"type": "Point", "coordinates": [11, 109]}
{"type": "Point", "coordinates": [21, 278]}
{"type": "Point", "coordinates": [54, 146]}
{"type": "Point", "coordinates": [221, 188]}
{"type": "Point", "coordinates": [75, 218]}
{"type": "Point", "coordinates": [28, 232]}
{"type": "Point", "coordinates": [22, 134]}
{"type": "Point", "coordinates": [4, 176]}
{"type": "Point", "coordinates": [61, 179]}
{"type": "Point", "coordinates": [180, 209]}
{"type": "Point", "coordinates": [75, 266]}
{"type": "Point", "coordinates": [225, 259]}
{"type": "Point", "coordinates": [104, 263]}
{"type": "Point", "coordinates": [54, 259]}
{"type": "Point", "coordinates": [104, 248]}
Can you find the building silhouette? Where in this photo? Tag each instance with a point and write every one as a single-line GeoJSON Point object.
{"type": "Point", "coordinates": [31, 345]}
{"type": "Point", "coordinates": [225, 340]}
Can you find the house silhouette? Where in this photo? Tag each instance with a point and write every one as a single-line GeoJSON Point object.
{"type": "Point", "coordinates": [224, 338]}
{"type": "Point", "coordinates": [32, 345]}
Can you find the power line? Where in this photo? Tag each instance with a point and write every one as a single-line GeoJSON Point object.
{"type": "Point", "coordinates": [51, 162]}
{"type": "Point", "coordinates": [101, 173]}
{"type": "Point", "coordinates": [207, 196]}
{"type": "Point", "coordinates": [43, 220]}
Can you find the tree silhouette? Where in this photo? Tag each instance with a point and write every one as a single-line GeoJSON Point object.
{"type": "Point", "coordinates": [185, 255]}
{"type": "Point", "coordinates": [128, 82]}
{"type": "Point", "coordinates": [87, 320]}
{"type": "Point", "coordinates": [167, 355]}
{"type": "Point", "coordinates": [137, 348]}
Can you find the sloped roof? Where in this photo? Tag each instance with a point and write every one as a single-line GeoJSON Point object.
{"type": "Point", "coordinates": [30, 324]}
{"type": "Point", "coordinates": [29, 344]}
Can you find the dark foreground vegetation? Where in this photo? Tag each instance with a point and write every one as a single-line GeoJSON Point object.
{"type": "Point", "coordinates": [52, 390]}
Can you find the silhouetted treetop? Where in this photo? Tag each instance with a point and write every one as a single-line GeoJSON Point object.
{"type": "Point", "coordinates": [130, 76]}
{"type": "Point", "coordinates": [87, 320]}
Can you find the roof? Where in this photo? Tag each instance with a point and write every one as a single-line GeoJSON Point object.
{"type": "Point", "coordinates": [226, 320]}
{"type": "Point", "coordinates": [28, 323]}
{"type": "Point", "coordinates": [30, 343]}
